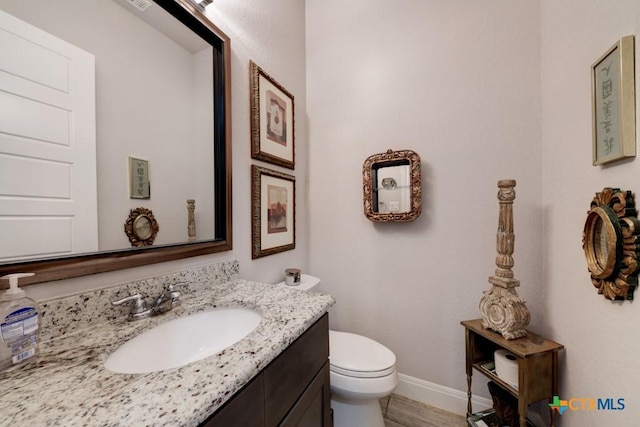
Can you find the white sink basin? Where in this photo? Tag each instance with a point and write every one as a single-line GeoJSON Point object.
{"type": "Point", "coordinates": [182, 341]}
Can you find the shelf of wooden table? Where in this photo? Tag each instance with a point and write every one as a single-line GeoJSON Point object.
{"type": "Point", "coordinates": [537, 364]}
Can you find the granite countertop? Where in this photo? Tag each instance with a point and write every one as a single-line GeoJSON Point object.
{"type": "Point", "coordinates": [68, 385]}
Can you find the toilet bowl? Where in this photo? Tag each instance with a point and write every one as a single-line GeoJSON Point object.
{"type": "Point", "coordinates": [362, 371]}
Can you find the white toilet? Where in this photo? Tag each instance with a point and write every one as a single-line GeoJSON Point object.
{"type": "Point", "coordinates": [362, 372]}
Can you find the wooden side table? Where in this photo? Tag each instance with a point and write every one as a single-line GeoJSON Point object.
{"type": "Point", "coordinates": [537, 365]}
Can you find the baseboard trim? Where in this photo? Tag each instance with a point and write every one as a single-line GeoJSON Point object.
{"type": "Point", "coordinates": [439, 396]}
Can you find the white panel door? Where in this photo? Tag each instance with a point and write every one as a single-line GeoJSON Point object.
{"type": "Point", "coordinates": [48, 200]}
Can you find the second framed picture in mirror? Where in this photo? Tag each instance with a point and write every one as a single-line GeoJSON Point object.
{"type": "Point", "coordinates": [392, 186]}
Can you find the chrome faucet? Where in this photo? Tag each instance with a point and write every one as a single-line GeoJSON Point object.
{"type": "Point", "coordinates": [168, 299]}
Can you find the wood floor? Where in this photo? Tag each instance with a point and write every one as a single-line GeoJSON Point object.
{"type": "Point", "coordinates": [403, 412]}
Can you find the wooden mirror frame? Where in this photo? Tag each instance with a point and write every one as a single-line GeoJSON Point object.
{"type": "Point", "coordinates": [392, 158]}
{"type": "Point", "coordinates": [611, 243]}
{"type": "Point", "coordinates": [51, 269]}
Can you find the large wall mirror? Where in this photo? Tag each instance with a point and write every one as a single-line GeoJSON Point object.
{"type": "Point", "coordinates": [91, 87]}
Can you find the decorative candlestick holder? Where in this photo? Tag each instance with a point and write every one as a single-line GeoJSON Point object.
{"type": "Point", "coordinates": [191, 221]}
{"type": "Point", "coordinates": [502, 309]}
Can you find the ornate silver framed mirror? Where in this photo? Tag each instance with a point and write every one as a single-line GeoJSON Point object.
{"type": "Point", "coordinates": [392, 186]}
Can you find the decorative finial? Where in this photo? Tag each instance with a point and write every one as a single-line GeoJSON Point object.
{"type": "Point", "coordinates": [501, 308]}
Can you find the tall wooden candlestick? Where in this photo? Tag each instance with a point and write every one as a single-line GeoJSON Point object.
{"type": "Point", "coordinates": [191, 221]}
{"type": "Point", "coordinates": [501, 308]}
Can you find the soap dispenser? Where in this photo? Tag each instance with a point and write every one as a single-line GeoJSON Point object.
{"type": "Point", "coordinates": [19, 332]}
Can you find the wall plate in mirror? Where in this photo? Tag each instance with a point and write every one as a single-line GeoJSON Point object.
{"type": "Point", "coordinates": [392, 185]}
{"type": "Point", "coordinates": [611, 243]}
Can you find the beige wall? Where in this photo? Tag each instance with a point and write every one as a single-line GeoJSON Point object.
{"type": "Point", "coordinates": [600, 336]}
{"type": "Point", "coordinates": [483, 91]}
{"type": "Point", "coordinates": [459, 83]}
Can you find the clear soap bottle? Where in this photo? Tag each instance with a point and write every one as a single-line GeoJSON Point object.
{"type": "Point", "coordinates": [19, 331]}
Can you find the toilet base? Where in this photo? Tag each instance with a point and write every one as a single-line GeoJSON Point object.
{"type": "Point", "coordinates": [356, 412]}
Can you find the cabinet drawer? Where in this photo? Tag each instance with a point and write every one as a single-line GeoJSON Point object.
{"type": "Point", "coordinates": [286, 378]}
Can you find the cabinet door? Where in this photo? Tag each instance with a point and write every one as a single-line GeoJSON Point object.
{"type": "Point", "coordinates": [246, 409]}
{"type": "Point", "coordinates": [313, 407]}
{"type": "Point", "coordinates": [291, 373]}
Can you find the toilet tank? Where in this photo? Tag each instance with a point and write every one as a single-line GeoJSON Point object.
{"type": "Point", "coordinates": [307, 283]}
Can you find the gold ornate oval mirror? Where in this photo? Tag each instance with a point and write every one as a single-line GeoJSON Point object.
{"type": "Point", "coordinates": [392, 185]}
{"type": "Point", "coordinates": [141, 227]}
{"type": "Point", "coordinates": [611, 243]}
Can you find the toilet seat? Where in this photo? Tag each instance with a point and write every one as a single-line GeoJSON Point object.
{"type": "Point", "coordinates": [356, 356]}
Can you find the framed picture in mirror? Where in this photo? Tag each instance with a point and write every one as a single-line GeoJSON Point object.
{"type": "Point", "coordinates": [272, 120]}
{"type": "Point", "coordinates": [139, 186]}
{"type": "Point", "coordinates": [273, 203]}
{"type": "Point", "coordinates": [613, 103]}
{"type": "Point", "coordinates": [392, 186]}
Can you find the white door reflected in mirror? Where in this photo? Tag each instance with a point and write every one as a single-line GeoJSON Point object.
{"type": "Point", "coordinates": [152, 100]}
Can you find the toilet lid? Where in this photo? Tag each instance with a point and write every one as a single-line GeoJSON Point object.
{"type": "Point", "coordinates": [357, 356]}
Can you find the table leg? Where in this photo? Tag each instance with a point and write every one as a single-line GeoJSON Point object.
{"type": "Point", "coordinates": [469, 395]}
{"type": "Point", "coordinates": [554, 386]}
{"type": "Point", "coordinates": [522, 409]}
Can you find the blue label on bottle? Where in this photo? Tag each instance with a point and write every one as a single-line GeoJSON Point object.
{"type": "Point", "coordinates": [19, 323]}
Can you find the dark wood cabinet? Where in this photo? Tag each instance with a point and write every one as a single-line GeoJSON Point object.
{"type": "Point", "coordinates": [313, 407]}
{"type": "Point", "coordinates": [537, 365]}
{"type": "Point", "coordinates": [245, 409]}
{"type": "Point", "coordinates": [293, 390]}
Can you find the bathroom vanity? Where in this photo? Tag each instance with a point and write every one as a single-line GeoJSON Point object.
{"type": "Point", "coordinates": [293, 390]}
{"type": "Point", "coordinates": [277, 375]}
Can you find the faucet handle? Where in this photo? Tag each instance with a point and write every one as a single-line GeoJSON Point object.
{"type": "Point", "coordinates": [171, 287]}
{"type": "Point", "coordinates": [138, 303]}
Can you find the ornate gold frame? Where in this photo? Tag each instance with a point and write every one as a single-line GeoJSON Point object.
{"type": "Point", "coordinates": [141, 227]}
{"type": "Point", "coordinates": [391, 158]}
{"type": "Point", "coordinates": [260, 213]}
{"type": "Point", "coordinates": [611, 243]}
{"type": "Point", "coordinates": [259, 141]}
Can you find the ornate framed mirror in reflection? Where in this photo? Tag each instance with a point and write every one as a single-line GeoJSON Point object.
{"type": "Point", "coordinates": [97, 82]}
{"type": "Point", "coordinates": [392, 186]}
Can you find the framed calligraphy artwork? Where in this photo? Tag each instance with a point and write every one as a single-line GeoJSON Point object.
{"type": "Point", "coordinates": [613, 103]}
{"type": "Point", "coordinates": [139, 186]}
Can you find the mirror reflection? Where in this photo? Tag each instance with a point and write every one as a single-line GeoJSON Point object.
{"type": "Point", "coordinates": [392, 186]}
{"type": "Point", "coordinates": [393, 189]}
{"type": "Point", "coordinates": [93, 85]}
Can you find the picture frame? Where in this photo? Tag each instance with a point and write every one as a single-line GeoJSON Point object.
{"type": "Point", "coordinates": [272, 120]}
{"type": "Point", "coordinates": [273, 221]}
{"type": "Point", "coordinates": [613, 103]}
{"type": "Point", "coordinates": [141, 227]}
{"type": "Point", "coordinates": [139, 185]}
